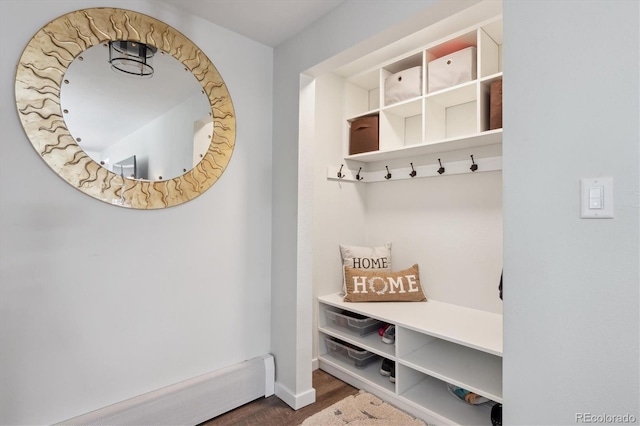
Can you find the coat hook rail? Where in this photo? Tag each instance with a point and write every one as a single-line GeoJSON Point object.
{"type": "Point", "coordinates": [488, 164]}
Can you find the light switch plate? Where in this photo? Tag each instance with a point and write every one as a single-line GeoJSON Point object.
{"type": "Point", "coordinates": [596, 198]}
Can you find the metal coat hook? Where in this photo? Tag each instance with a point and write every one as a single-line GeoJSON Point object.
{"type": "Point", "coordinates": [413, 171]}
{"type": "Point", "coordinates": [358, 177]}
{"type": "Point", "coordinates": [441, 169]}
{"type": "Point", "coordinates": [340, 174]}
{"type": "Point", "coordinates": [388, 175]}
{"type": "Point", "coordinates": [474, 166]}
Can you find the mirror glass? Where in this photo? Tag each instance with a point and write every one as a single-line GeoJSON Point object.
{"type": "Point", "coordinates": [144, 128]}
{"type": "Point", "coordinates": [115, 137]}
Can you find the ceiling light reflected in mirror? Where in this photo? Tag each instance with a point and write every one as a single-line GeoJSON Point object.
{"type": "Point", "coordinates": [131, 58]}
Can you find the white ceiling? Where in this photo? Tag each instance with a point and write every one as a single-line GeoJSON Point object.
{"type": "Point", "coordinates": [269, 22]}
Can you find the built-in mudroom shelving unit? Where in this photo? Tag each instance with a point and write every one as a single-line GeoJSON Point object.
{"type": "Point", "coordinates": [449, 119]}
{"type": "Point", "coordinates": [436, 343]}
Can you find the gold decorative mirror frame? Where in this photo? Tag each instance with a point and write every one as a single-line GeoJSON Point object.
{"type": "Point", "coordinates": [39, 77]}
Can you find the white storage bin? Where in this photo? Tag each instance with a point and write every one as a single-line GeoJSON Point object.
{"type": "Point", "coordinates": [450, 70]}
{"type": "Point", "coordinates": [403, 85]}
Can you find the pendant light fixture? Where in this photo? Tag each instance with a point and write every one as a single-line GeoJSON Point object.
{"type": "Point", "coordinates": [131, 58]}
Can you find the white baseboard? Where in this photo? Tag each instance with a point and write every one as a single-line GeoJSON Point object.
{"type": "Point", "coordinates": [295, 401]}
{"type": "Point", "coordinates": [192, 401]}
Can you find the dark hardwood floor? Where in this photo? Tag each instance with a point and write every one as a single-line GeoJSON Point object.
{"type": "Point", "coordinates": [272, 411]}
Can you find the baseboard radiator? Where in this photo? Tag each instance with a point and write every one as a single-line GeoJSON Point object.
{"type": "Point", "coordinates": [193, 401]}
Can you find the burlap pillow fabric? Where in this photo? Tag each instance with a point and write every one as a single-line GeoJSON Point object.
{"type": "Point", "coordinates": [383, 286]}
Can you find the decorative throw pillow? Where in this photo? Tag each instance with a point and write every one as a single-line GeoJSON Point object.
{"type": "Point", "coordinates": [383, 286]}
{"type": "Point", "coordinates": [366, 258]}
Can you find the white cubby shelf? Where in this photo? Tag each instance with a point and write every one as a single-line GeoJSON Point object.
{"type": "Point", "coordinates": [436, 344]}
{"type": "Point", "coordinates": [450, 119]}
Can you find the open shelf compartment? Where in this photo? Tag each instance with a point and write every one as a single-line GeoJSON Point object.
{"type": "Point", "coordinates": [490, 48]}
{"type": "Point", "coordinates": [369, 373]}
{"type": "Point", "coordinates": [432, 395]}
{"type": "Point", "coordinates": [476, 371]}
{"type": "Point", "coordinates": [362, 94]}
{"type": "Point", "coordinates": [371, 341]}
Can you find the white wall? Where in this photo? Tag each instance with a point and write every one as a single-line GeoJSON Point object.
{"type": "Point", "coordinates": [292, 246]}
{"type": "Point", "coordinates": [451, 226]}
{"type": "Point", "coordinates": [100, 303]}
{"type": "Point", "coordinates": [338, 212]}
{"type": "Point", "coordinates": [571, 317]}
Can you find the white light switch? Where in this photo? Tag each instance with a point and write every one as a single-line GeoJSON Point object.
{"type": "Point", "coordinates": [596, 198]}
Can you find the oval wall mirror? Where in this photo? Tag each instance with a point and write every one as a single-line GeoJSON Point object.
{"type": "Point", "coordinates": [125, 108]}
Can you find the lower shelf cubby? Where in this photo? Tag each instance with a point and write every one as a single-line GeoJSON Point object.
{"type": "Point", "coordinates": [355, 331]}
{"type": "Point", "coordinates": [431, 394]}
{"type": "Point", "coordinates": [474, 370]}
{"type": "Point", "coordinates": [350, 353]}
{"type": "Point", "coordinates": [369, 371]}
